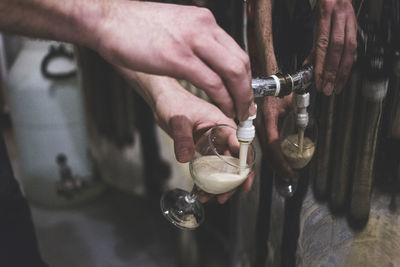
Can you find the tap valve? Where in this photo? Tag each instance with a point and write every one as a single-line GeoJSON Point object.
{"type": "Point", "coordinates": [302, 102]}
{"type": "Point", "coordinates": [280, 85]}
{"type": "Point", "coordinates": [246, 130]}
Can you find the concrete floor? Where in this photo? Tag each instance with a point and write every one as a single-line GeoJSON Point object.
{"type": "Point", "coordinates": [119, 229]}
{"type": "Point", "coordinates": [126, 228]}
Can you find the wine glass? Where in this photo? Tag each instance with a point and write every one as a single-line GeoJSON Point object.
{"type": "Point", "coordinates": [298, 147]}
{"type": "Point", "coordinates": [215, 169]}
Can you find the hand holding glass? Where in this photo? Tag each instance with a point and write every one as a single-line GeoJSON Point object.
{"type": "Point", "coordinates": [215, 169]}
{"type": "Point", "coordinates": [298, 147]}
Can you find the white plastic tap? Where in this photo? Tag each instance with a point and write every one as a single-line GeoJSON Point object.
{"type": "Point", "coordinates": [302, 102]}
{"type": "Point", "coordinates": [246, 130]}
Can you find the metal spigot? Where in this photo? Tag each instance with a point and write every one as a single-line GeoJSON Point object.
{"type": "Point", "coordinates": [280, 85]}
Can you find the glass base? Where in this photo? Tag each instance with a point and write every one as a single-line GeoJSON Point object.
{"type": "Point", "coordinates": [286, 188]}
{"type": "Point", "coordinates": [181, 209]}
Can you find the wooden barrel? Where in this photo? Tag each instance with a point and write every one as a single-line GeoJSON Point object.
{"type": "Point", "coordinates": [326, 240]}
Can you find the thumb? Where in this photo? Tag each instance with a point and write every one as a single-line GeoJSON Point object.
{"type": "Point", "coordinates": [182, 133]}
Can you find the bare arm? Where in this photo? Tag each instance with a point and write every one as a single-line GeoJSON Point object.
{"type": "Point", "coordinates": [179, 41]}
{"type": "Point", "coordinates": [333, 53]}
{"type": "Point", "coordinates": [272, 107]}
{"type": "Point", "coordinates": [69, 21]}
{"type": "Point", "coordinates": [265, 44]}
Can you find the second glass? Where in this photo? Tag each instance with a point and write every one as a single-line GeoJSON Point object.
{"type": "Point", "coordinates": [298, 147]}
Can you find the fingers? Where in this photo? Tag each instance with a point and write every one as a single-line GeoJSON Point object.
{"type": "Point", "coordinates": [230, 44]}
{"type": "Point", "coordinates": [203, 196]}
{"type": "Point", "coordinates": [272, 147]}
{"type": "Point", "coordinates": [334, 45]}
{"type": "Point", "coordinates": [273, 150]}
{"type": "Point", "coordinates": [349, 50]}
{"type": "Point", "coordinates": [278, 162]}
{"type": "Point", "coordinates": [335, 50]}
{"type": "Point", "coordinates": [224, 197]}
{"type": "Point", "coordinates": [247, 184]}
{"type": "Point", "coordinates": [181, 131]}
{"type": "Point", "coordinates": [321, 41]}
{"type": "Point", "coordinates": [233, 145]}
{"type": "Point", "coordinates": [203, 77]}
{"type": "Point", "coordinates": [233, 68]}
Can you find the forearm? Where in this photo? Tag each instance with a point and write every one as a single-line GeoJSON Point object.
{"type": "Point", "coordinates": [69, 20]}
{"type": "Point", "coordinates": [150, 87]}
{"type": "Point", "coordinates": [265, 42]}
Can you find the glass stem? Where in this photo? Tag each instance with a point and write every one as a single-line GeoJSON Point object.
{"type": "Point", "coordinates": [192, 197]}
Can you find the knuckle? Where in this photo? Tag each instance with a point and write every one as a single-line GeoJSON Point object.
{"type": "Point", "coordinates": [246, 62]}
{"type": "Point", "coordinates": [322, 43]}
{"type": "Point", "coordinates": [178, 60]}
{"type": "Point", "coordinates": [198, 41]}
{"type": "Point", "coordinates": [204, 15]}
{"type": "Point", "coordinates": [214, 84]}
{"type": "Point", "coordinates": [352, 46]}
{"type": "Point", "coordinates": [237, 70]}
{"type": "Point", "coordinates": [174, 47]}
{"type": "Point", "coordinates": [325, 7]}
{"type": "Point", "coordinates": [189, 34]}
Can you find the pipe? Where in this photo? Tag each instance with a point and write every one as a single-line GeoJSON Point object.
{"type": "Point", "coordinates": [280, 85]}
{"type": "Point", "coordinates": [369, 117]}
{"type": "Point", "coordinates": [320, 170]}
{"type": "Point", "coordinates": [374, 61]}
{"type": "Point", "coordinates": [344, 126]}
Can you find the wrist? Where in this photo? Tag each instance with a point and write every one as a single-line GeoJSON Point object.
{"type": "Point", "coordinates": [90, 17]}
{"type": "Point", "coordinates": [164, 95]}
{"type": "Point", "coordinates": [271, 67]}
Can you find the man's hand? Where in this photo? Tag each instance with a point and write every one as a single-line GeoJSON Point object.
{"type": "Point", "coordinates": [183, 116]}
{"type": "Point", "coordinates": [269, 108]}
{"type": "Point", "coordinates": [179, 41]}
{"type": "Point", "coordinates": [267, 129]}
{"type": "Point", "coordinates": [335, 44]}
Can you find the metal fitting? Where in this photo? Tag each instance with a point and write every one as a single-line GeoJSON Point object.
{"type": "Point", "coordinates": [280, 85]}
{"type": "Point", "coordinates": [302, 102]}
